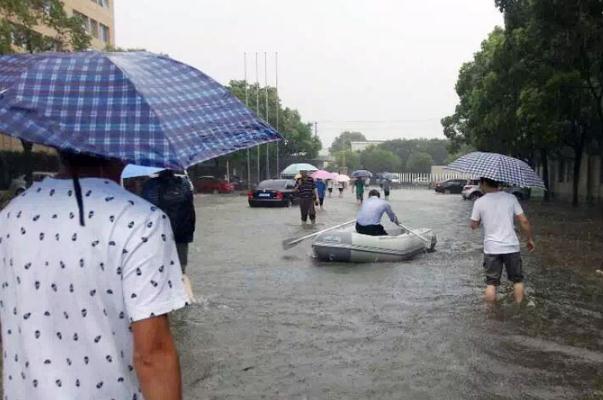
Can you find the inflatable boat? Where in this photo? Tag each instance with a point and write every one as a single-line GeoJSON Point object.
{"type": "Point", "coordinates": [349, 246]}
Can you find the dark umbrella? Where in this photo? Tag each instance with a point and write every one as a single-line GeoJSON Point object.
{"type": "Point", "coordinates": [361, 173]}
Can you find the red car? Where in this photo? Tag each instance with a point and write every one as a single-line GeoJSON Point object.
{"type": "Point", "coordinates": [210, 184]}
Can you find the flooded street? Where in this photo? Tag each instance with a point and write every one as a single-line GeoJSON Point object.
{"type": "Point", "coordinates": [275, 324]}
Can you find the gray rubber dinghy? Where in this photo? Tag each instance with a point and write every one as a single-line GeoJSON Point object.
{"type": "Point", "coordinates": [349, 246]}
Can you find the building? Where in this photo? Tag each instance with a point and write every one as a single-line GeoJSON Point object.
{"type": "Point", "coordinates": [363, 145]}
{"type": "Point", "coordinates": [561, 178]}
{"type": "Point", "coordinates": [99, 21]}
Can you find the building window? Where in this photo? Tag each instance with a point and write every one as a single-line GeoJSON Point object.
{"type": "Point", "coordinates": [85, 20]}
{"type": "Point", "coordinates": [102, 3]}
{"type": "Point", "coordinates": [94, 28]}
{"type": "Point", "coordinates": [105, 35]}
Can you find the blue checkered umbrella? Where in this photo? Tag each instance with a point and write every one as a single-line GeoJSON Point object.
{"type": "Point", "coordinates": [498, 167]}
{"type": "Point", "coordinates": [136, 106]}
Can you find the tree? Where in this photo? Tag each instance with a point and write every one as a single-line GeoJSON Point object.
{"type": "Point", "coordinates": [344, 140]}
{"type": "Point", "coordinates": [419, 163]}
{"type": "Point", "coordinates": [347, 159]}
{"type": "Point", "coordinates": [377, 159]}
{"type": "Point", "coordinates": [18, 18]}
{"type": "Point", "coordinates": [299, 143]}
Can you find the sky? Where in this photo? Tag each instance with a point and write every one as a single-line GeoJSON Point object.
{"type": "Point", "coordinates": [386, 68]}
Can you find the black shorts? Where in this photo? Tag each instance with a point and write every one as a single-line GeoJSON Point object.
{"type": "Point", "coordinates": [371, 230]}
{"type": "Point", "coordinates": [493, 266]}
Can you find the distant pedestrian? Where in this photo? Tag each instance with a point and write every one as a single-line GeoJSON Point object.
{"type": "Point", "coordinates": [89, 272]}
{"type": "Point", "coordinates": [341, 187]}
{"type": "Point", "coordinates": [321, 188]}
{"type": "Point", "coordinates": [359, 189]}
{"type": "Point", "coordinates": [386, 184]}
{"type": "Point", "coordinates": [308, 197]}
{"type": "Point", "coordinates": [496, 212]}
{"type": "Point", "coordinates": [330, 187]}
{"type": "Point", "coordinates": [368, 221]}
{"type": "Point", "coordinates": [174, 196]}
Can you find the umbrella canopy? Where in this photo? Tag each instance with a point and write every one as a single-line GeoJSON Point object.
{"type": "Point", "coordinates": [497, 167]}
{"type": "Point", "coordinates": [294, 169]}
{"type": "Point", "coordinates": [342, 178]}
{"type": "Point", "coordinates": [324, 175]}
{"type": "Point", "coordinates": [361, 173]}
{"type": "Point", "coordinates": [138, 107]}
{"type": "Point", "coordinates": [132, 171]}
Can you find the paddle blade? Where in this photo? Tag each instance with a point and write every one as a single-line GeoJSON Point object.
{"type": "Point", "coordinates": [289, 243]}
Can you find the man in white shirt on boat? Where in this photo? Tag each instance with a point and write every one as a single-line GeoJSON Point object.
{"type": "Point", "coordinates": [496, 211]}
{"type": "Point", "coordinates": [368, 220]}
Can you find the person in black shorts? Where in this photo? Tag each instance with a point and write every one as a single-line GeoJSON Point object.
{"type": "Point", "coordinates": [308, 197]}
{"type": "Point", "coordinates": [495, 211]}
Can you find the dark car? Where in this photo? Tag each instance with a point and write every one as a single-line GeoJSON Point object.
{"type": "Point", "coordinates": [210, 184]}
{"type": "Point", "coordinates": [451, 186]}
{"type": "Point", "coordinates": [273, 192]}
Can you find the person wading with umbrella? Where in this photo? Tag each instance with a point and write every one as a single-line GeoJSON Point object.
{"type": "Point", "coordinates": [308, 197]}
{"type": "Point", "coordinates": [88, 271]}
{"type": "Point", "coordinates": [496, 212]}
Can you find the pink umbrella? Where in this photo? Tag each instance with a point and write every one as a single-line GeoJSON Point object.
{"type": "Point", "coordinates": [324, 175]}
{"type": "Point", "coordinates": [342, 178]}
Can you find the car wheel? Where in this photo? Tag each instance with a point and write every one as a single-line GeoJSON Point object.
{"type": "Point", "coordinates": [474, 196]}
{"type": "Point", "coordinates": [215, 191]}
{"type": "Point", "coordinates": [287, 203]}
{"type": "Point", "coordinates": [447, 191]}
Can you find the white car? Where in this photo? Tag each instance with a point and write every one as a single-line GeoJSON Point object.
{"type": "Point", "coordinates": [471, 190]}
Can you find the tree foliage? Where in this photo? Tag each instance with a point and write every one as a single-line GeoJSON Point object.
{"type": "Point", "coordinates": [536, 87]}
{"type": "Point", "coordinates": [419, 162]}
{"type": "Point", "coordinates": [378, 159]}
{"type": "Point", "coordinates": [344, 140]}
{"type": "Point", "coordinates": [18, 18]}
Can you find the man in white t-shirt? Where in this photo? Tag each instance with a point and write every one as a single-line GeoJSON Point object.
{"type": "Point", "coordinates": [88, 274]}
{"type": "Point", "coordinates": [496, 212]}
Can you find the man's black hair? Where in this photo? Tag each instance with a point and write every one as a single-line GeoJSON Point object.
{"type": "Point", "coordinates": [374, 192]}
{"type": "Point", "coordinates": [489, 182]}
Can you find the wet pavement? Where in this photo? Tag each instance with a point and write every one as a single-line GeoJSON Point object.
{"type": "Point", "coordinates": [274, 324]}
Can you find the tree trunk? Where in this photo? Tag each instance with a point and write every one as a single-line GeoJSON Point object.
{"type": "Point", "coordinates": [589, 180]}
{"type": "Point", "coordinates": [578, 150]}
{"type": "Point", "coordinates": [545, 174]}
{"type": "Point", "coordinates": [27, 155]}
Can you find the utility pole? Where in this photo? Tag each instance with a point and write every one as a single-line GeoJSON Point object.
{"type": "Point", "coordinates": [257, 108]}
{"type": "Point", "coordinates": [267, 109]}
{"type": "Point", "coordinates": [315, 129]}
{"type": "Point", "coordinates": [277, 111]}
{"type": "Point", "coordinates": [247, 105]}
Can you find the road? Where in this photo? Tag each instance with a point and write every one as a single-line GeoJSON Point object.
{"type": "Point", "coordinates": [275, 324]}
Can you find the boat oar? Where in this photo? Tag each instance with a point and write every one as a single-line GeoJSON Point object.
{"type": "Point", "coordinates": [287, 244]}
{"type": "Point", "coordinates": [414, 233]}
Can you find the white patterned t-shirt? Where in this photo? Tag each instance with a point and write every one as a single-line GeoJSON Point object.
{"type": "Point", "coordinates": [68, 293]}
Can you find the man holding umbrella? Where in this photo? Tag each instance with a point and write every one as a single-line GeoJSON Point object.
{"type": "Point", "coordinates": [496, 211]}
{"type": "Point", "coordinates": [308, 197]}
{"type": "Point", "coordinates": [88, 271]}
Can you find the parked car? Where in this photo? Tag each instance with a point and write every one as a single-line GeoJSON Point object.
{"type": "Point", "coordinates": [451, 186]}
{"type": "Point", "coordinates": [211, 184]}
{"type": "Point", "coordinates": [273, 192]}
{"type": "Point", "coordinates": [394, 179]}
{"type": "Point", "coordinates": [471, 191]}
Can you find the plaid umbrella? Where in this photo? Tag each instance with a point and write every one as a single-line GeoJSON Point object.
{"type": "Point", "coordinates": [135, 106]}
{"type": "Point", "coordinates": [497, 167]}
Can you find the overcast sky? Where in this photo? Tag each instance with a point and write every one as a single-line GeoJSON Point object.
{"type": "Point", "coordinates": [384, 67]}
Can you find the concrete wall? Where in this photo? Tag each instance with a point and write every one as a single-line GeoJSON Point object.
{"type": "Point", "coordinates": [561, 178]}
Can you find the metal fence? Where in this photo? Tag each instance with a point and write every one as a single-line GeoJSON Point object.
{"type": "Point", "coordinates": [428, 180]}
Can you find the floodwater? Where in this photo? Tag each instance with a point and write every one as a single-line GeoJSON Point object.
{"type": "Point", "coordinates": [275, 324]}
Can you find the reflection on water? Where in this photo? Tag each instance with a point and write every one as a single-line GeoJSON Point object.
{"type": "Point", "coordinates": [275, 324]}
